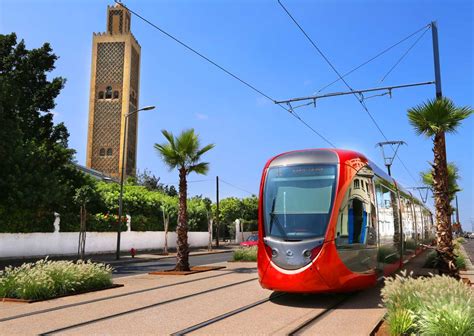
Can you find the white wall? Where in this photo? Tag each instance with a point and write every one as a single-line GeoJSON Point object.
{"type": "Point", "coordinates": [239, 235]}
{"type": "Point", "coordinates": [63, 243]}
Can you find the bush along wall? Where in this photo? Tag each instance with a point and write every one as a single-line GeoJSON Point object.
{"type": "Point", "coordinates": [147, 209]}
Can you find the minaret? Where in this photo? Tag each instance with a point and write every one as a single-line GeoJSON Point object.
{"type": "Point", "coordinates": [114, 91]}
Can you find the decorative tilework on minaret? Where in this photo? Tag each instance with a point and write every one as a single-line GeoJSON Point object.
{"type": "Point", "coordinates": [114, 92]}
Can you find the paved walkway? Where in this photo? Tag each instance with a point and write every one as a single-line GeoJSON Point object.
{"type": "Point", "coordinates": [468, 248]}
{"type": "Point", "coordinates": [229, 301]}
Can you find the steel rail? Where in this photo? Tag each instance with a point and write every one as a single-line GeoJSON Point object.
{"type": "Point", "coordinates": [135, 310]}
{"type": "Point", "coordinates": [310, 322]}
{"type": "Point", "coordinates": [224, 316]}
{"type": "Point", "coordinates": [47, 310]}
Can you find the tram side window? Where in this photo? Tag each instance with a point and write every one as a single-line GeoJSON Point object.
{"type": "Point", "coordinates": [389, 224]}
{"type": "Point", "coordinates": [356, 220]}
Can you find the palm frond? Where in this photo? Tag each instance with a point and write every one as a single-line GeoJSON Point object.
{"type": "Point", "coordinates": [183, 151]}
{"type": "Point", "coordinates": [170, 137]}
{"type": "Point", "coordinates": [205, 149]}
{"type": "Point", "coordinates": [200, 168]}
{"type": "Point", "coordinates": [437, 115]}
{"type": "Point", "coordinates": [168, 154]}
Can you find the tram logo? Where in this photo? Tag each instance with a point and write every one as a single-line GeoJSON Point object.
{"type": "Point", "coordinates": [289, 253]}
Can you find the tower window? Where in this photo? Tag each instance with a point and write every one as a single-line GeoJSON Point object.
{"type": "Point", "coordinates": [356, 184]}
{"type": "Point", "coordinates": [108, 92]}
{"type": "Point", "coordinates": [116, 94]}
{"type": "Point", "coordinates": [102, 152]}
{"type": "Point", "coordinates": [101, 94]}
{"type": "Point", "coordinates": [109, 151]}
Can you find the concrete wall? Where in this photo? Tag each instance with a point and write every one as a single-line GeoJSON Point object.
{"type": "Point", "coordinates": [63, 243]}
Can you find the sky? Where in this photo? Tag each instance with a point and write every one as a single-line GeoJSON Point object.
{"type": "Point", "coordinates": [258, 42]}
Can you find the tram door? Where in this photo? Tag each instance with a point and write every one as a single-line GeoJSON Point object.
{"type": "Point", "coordinates": [356, 230]}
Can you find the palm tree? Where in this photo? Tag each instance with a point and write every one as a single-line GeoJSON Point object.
{"type": "Point", "coordinates": [434, 119]}
{"type": "Point", "coordinates": [184, 153]}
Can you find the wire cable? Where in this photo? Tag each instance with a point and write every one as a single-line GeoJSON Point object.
{"type": "Point", "coordinates": [233, 185]}
{"type": "Point", "coordinates": [223, 69]}
{"type": "Point", "coordinates": [359, 98]}
{"type": "Point", "coordinates": [404, 55]}
{"type": "Point", "coordinates": [373, 58]}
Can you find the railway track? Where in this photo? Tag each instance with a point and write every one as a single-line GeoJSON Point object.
{"type": "Point", "coordinates": [48, 310]}
{"type": "Point", "coordinates": [296, 331]}
{"type": "Point", "coordinates": [131, 311]}
{"type": "Point", "coordinates": [300, 329]}
{"type": "Point", "coordinates": [224, 316]}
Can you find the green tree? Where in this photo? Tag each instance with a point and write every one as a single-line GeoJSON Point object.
{"type": "Point", "coordinates": [38, 176]}
{"type": "Point", "coordinates": [82, 197]}
{"type": "Point", "coordinates": [183, 153]}
{"type": "Point", "coordinates": [434, 119]}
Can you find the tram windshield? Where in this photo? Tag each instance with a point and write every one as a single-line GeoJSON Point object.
{"type": "Point", "coordinates": [298, 201]}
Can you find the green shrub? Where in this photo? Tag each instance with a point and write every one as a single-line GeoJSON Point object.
{"type": "Point", "coordinates": [431, 259]}
{"type": "Point", "coordinates": [460, 240]}
{"type": "Point", "coordinates": [400, 321]}
{"type": "Point", "coordinates": [145, 223]}
{"type": "Point", "coordinates": [438, 305]}
{"type": "Point", "coordinates": [246, 254]}
{"type": "Point", "coordinates": [460, 261]}
{"type": "Point", "coordinates": [47, 279]}
{"type": "Point", "coordinates": [387, 254]}
{"type": "Point", "coordinates": [14, 220]}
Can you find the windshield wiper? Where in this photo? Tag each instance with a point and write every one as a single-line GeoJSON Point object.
{"type": "Point", "coordinates": [273, 217]}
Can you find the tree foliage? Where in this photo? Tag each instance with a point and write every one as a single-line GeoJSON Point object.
{"type": "Point", "coordinates": [38, 176]}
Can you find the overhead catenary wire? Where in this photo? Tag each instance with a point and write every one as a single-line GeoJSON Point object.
{"type": "Point", "coordinates": [404, 55]}
{"type": "Point", "coordinates": [228, 72]}
{"type": "Point", "coordinates": [359, 98]}
{"type": "Point", "coordinates": [237, 187]}
{"type": "Point", "coordinates": [374, 57]}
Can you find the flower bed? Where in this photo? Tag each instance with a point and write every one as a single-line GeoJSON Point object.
{"type": "Point", "coordinates": [245, 254]}
{"type": "Point", "coordinates": [48, 279]}
{"type": "Point", "coordinates": [437, 305]}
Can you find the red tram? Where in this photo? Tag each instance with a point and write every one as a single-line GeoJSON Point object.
{"type": "Point", "coordinates": [332, 221]}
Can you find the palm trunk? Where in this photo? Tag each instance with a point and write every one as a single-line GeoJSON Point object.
{"type": "Point", "coordinates": [182, 263]}
{"type": "Point", "coordinates": [441, 195]}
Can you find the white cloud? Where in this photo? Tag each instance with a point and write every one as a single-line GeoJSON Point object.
{"type": "Point", "coordinates": [202, 116]}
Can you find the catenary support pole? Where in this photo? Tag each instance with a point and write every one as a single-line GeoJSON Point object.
{"type": "Point", "coordinates": [434, 32]}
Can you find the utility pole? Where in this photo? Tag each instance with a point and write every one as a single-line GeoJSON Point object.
{"type": "Point", "coordinates": [217, 211]}
{"type": "Point", "coordinates": [434, 33]}
{"type": "Point", "coordinates": [457, 211]}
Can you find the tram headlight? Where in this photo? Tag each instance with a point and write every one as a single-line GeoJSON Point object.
{"type": "Point", "coordinates": [307, 253]}
{"type": "Point", "coordinates": [274, 252]}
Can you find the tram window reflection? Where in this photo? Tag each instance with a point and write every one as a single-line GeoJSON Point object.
{"type": "Point", "coordinates": [356, 230]}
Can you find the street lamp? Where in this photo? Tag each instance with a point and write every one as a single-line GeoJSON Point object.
{"type": "Point", "coordinates": [125, 138]}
